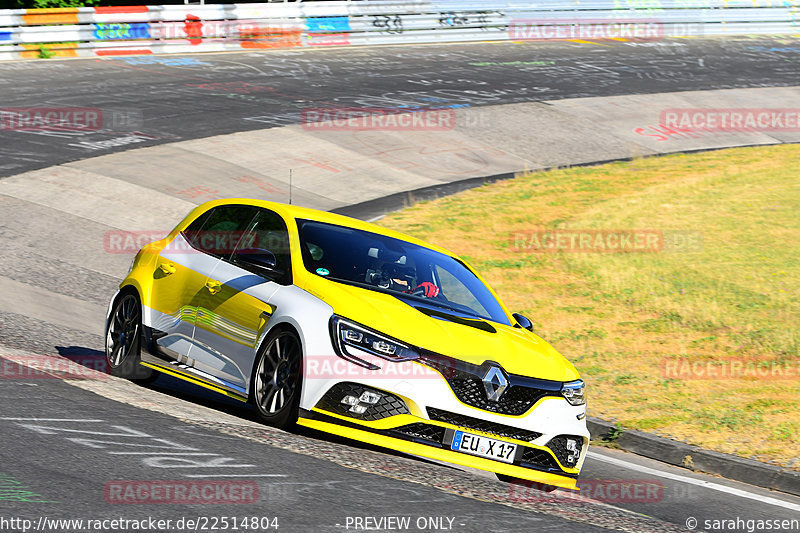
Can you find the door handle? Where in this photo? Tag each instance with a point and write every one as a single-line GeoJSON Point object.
{"type": "Point", "coordinates": [213, 286]}
{"type": "Point", "coordinates": [167, 268]}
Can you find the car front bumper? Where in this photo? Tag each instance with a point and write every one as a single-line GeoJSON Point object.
{"type": "Point", "coordinates": [386, 439]}
{"type": "Point", "coordinates": [424, 413]}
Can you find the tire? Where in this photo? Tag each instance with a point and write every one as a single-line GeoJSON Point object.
{"type": "Point", "coordinates": [124, 340]}
{"type": "Point", "coordinates": [277, 379]}
{"type": "Point", "coordinates": [518, 481]}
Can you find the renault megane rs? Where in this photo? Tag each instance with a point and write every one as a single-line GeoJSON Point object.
{"type": "Point", "coordinates": [343, 326]}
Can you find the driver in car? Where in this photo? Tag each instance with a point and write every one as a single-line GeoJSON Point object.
{"type": "Point", "coordinates": [426, 287]}
{"type": "Point", "coordinates": [402, 279]}
{"type": "Point", "coordinates": [404, 284]}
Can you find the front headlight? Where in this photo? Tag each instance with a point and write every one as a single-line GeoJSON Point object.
{"type": "Point", "coordinates": [573, 392]}
{"type": "Point", "coordinates": [350, 338]}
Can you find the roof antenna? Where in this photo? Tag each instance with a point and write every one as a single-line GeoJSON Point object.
{"type": "Point", "coordinates": [290, 186]}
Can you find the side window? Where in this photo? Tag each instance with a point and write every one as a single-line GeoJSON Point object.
{"type": "Point", "coordinates": [221, 229]}
{"type": "Point", "coordinates": [267, 234]}
{"type": "Point", "coordinates": [192, 231]}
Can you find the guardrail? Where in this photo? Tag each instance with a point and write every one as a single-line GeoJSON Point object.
{"type": "Point", "coordinates": [103, 31]}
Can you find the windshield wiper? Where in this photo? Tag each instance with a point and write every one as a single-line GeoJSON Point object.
{"type": "Point", "coordinates": [426, 301]}
{"type": "Point", "coordinates": [429, 301]}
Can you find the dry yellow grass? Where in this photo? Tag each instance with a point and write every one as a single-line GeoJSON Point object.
{"type": "Point", "coordinates": [621, 317]}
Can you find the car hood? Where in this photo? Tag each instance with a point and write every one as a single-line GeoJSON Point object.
{"type": "Point", "coordinates": [517, 350]}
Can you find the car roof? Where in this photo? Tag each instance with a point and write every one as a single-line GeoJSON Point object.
{"type": "Point", "coordinates": [306, 213]}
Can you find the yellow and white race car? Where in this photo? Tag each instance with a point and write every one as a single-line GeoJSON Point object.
{"type": "Point", "coordinates": [343, 326]}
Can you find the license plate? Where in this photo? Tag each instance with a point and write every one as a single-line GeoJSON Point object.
{"type": "Point", "coordinates": [483, 447]}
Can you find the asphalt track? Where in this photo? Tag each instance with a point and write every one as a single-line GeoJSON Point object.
{"type": "Point", "coordinates": [309, 481]}
{"type": "Point", "coordinates": [172, 98]}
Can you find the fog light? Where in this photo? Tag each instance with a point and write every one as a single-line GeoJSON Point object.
{"type": "Point", "coordinates": [350, 400]}
{"type": "Point", "coordinates": [358, 409]}
{"type": "Point", "coordinates": [572, 447]}
{"type": "Point", "coordinates": [369, 397]}
{"type": "Point", "coordinates": [361, 401]}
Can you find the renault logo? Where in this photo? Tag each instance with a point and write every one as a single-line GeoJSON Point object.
{"type": "Point", "coordinates": [495, 383]}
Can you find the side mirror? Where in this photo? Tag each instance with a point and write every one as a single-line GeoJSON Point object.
{"type": "Point", "coordinates": [522, 322]}
{"type": "Point", "coordinates": [259, 259]}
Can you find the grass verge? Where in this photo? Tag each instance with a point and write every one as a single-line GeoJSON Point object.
{"type": "Point", "coordinates": [720, 294]}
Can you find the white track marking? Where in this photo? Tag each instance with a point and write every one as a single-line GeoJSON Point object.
{"type": "Point", "coordinates": [34, 419]}
{"type": "Point", "coordinates": [692, 481]}
{"type": "Point", "coordinates": [235, 475]}
{"type": "Point", "coordinates": [162, 453]}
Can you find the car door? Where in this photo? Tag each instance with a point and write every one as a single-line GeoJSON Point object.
{"type": "Point", "coordinates": [192, 257]}
{"type": "Point", "coordinates": [178, 279]}
{"type": "Point", "coordinates": [231, 323]}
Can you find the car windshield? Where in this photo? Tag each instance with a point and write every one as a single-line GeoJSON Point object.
{"type": "Point", "coordinates": [417, 275]}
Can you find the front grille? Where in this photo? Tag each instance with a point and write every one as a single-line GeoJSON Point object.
{"type": "Point", "coordinates": [423, 431]}
{"type": "Point", "coordinates": [539, 458]}
{"type": "Point", "coordinates": [467, 383]}
{"type": "Point", "coordinates": [559, 447]}
{"type": "Point", "coordinates": [388, 405]}
{"type": "Point", "coordinates": [477, 424]}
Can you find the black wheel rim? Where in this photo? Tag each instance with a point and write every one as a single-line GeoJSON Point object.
{"type": "Point", "coordinates": [123, 330]}
{"type": "Point", "coordinates": [277, 374]}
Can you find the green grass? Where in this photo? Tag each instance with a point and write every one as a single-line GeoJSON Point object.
{"type": "Point", "coordinates": [731, 293]}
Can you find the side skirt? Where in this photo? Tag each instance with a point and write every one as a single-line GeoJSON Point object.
{"type": "Point", "coordinates": [172, 371]}
{"type": "Point", "coordinates": [154, 359]}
